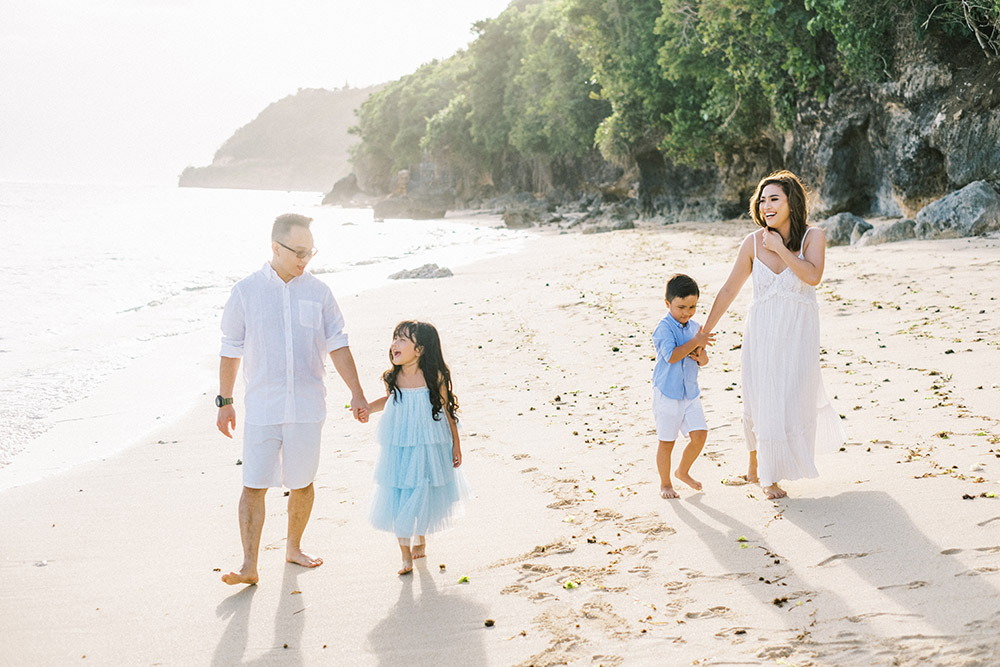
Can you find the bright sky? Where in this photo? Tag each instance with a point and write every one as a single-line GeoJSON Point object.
{"type": "Point", "coordinates": [133, 91]}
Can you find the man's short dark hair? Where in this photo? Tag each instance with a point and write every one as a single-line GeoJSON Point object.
{"type": "Point", "coordinates": [680, 285]}
{"type": "Point", "coordinates": [284, 223]}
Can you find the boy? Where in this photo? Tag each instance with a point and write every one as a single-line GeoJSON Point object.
{"type": "Point", "coordinates": [680, 350]}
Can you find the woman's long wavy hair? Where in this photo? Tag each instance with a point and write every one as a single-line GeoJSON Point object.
{"type": "Point", "coordinates": [798, 210]}
{"type": "Point", "coordinates": [431, 364]}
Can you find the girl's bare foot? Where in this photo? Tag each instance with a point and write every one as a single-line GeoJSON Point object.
{"type": "Point", "coordinates": [246, 575]}
{"type": "Point", "coordinates": [407, 568]}
{"type": "Point", "coordinates": [667, 491]}
{"type": "Point", "coordinates": [688, 479]}
{"type": "Point", "coordinates": [774, 492]}
{"type": "Point", "coordinates": [418, 548]}
{"type": "Point", "coordinates": [300, 557]}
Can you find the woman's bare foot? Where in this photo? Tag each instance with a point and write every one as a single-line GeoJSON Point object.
{"type": "Point", "coordinates": [246, 575]}
{"type": "Point", "coordinates": [774, 492]}
{"type": "Point", "coordinates": [667, 491]}
{"type": "Point", "coordinates": [418, 548]}
{"type": "Point", "coordinates": [688, 479]}
{"type": "Point", "coordinates": [300, 557]}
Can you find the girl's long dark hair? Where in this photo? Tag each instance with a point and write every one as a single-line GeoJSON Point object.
{"type": "Point", "coordinates": [798, 209]}
{"type": "Point", "coordinates": [436, 373]}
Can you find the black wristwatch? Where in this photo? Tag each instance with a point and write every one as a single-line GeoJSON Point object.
{"type": "Point", "coordinates": [219, 401]}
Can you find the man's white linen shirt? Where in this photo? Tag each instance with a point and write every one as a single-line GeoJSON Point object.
{"type": "Point", "coordinates": [284, 333]}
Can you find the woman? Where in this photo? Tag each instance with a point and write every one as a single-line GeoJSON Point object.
{"type": "Point", "coordinates": [786, 413]}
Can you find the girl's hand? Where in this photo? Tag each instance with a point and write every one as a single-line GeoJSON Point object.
{"type": "Point", "coordinates": [362, 415]}
{"type": "Point", "coordinates": [456, 456]}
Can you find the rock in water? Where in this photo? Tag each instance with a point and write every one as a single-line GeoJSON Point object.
{"type": "Point", "coordinates": [972, 211]}
{"type": "Point", "coordinates": [425, 271]}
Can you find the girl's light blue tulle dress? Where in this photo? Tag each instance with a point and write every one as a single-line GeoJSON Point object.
{"type": "Point", "coordinates": [417, 489]}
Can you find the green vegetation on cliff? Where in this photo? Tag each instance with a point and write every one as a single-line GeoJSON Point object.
{"type": "Point", "coordinates": [552, 85]}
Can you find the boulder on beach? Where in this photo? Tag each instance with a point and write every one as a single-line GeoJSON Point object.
{"type": "Point", "coordinates": [898, 230]}
{"type": "Point", "coordinates": [972, 211]}
{"type": "Point", "coordinates": [425, 271]}
{"type": "Point", "coordinates": [843, 229]}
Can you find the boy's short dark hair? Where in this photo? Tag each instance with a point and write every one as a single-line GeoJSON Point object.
{"type": "Point", "coordinates": [681, 286]}
{"type": "Point", "coordinates": [284, 223]}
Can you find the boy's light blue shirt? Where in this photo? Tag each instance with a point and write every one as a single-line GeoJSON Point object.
{"type": "Point", "coordinates": [678, 380]}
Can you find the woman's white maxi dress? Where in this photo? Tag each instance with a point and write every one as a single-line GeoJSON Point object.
{"type": "Point", "coordinates": [787, 416]}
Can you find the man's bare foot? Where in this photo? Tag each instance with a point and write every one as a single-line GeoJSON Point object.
{"type": "Point", "coordinates": [774, 492]}
{"type": "Point", "coordinates": [667, 491]}
{"type": "Point", "coordinates": [418, 549]}
{"type": "Point", "coordinates": [688, 479]}
{"type": "Point", "coordinates": [244, 576]}
{"type": "Point", "coordinates": [407, 568]}
{"type": "Point", "coordinates": [300, 557]}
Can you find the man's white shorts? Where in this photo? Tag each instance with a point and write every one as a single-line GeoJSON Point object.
{"type": "Point", "coordinates": [278, 454]}
{"type": "Point", "coordinates": [677, 415]}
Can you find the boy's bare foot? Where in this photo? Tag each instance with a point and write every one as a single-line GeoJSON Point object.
{"type": "Point", "coordinates": [244, 576]}
{"type": "Point", "coordinates": [300, 557]}
{"type": "Point", "coordinates": [407, 567]}
{"type": "Point", "coordinates": [688, 479]}
{"type": "Point", "coordinates": [774, 492]}
{"type": "Point", "coordinates": [418, 550]}
{"type": "Point", "coordinates": [667, 491]}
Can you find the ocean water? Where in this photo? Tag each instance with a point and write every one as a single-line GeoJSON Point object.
{"type": "Point", "coordinates": [98, 281]}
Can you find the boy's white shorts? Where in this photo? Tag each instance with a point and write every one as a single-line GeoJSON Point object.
{"type": "Point", "coordinates": [675, 415]}
{"type": "Point", "coordinates": [278, 454]}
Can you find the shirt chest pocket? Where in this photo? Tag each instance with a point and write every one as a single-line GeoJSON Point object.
{"type": "Point", "coordinates": [311, 314]}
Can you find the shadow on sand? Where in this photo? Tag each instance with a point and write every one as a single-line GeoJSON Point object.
{"type": "Point", "coordinates": [432, 628]}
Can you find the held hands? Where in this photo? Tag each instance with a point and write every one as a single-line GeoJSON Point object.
{"type": "Point", "coordinates": [360, 409]}
{"type": "Point", "coordinates": [226, 420]}
{"type": "Point", "coordinates": [703, 339]}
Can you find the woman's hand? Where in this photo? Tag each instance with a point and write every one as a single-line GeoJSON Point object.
{"type": "Point", "coordinates": [772, 240]}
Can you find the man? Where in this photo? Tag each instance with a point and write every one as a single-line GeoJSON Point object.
{"type": "Point", "coordinates": [283, 322]}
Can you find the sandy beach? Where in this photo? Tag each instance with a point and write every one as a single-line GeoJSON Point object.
{"type": "Point", "coordinates": [890, 557]}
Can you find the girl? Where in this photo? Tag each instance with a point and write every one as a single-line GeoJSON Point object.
{"type": "Point", "coordinates": [786, 413]}
{"type": "Point", "coordinates": [418, 484]}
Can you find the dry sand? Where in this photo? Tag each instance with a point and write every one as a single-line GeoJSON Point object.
{"type": "Point", "coordinates": [891, 557]}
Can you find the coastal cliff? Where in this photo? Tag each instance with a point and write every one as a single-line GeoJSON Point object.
{"type": "Point", "coordinates": [300, 142]}
{"type": "Point", "coordinates": [660, 111]}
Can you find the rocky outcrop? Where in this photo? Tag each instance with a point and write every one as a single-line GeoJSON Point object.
{"type": "Point", "coordinates": [897, 230]}
{"type": "Point", "coordinates": [972, 211]}
{"type": "Point", "coordinates": [842, 228]}
{"type": "Point", "coordinates": [344, 192]}
{"type": "Point", "coordinates": [424, 272]}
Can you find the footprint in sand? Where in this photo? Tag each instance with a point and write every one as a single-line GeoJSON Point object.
{"type": "Point", "coordinates": [911, 585]}
{"type": "Point", "coordinates": [711, 611]}
{"type": "Point", "coordinates": [836, 557]}
{"type": "Point", "coordinates": [989, 550]}
{"type": "Point", "coordinates": [978, 572]}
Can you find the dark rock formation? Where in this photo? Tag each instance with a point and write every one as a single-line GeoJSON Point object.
{"type": "Point", "coordinates": [344, 191]}
{"type": "Point", "coordinates": [972, 211]}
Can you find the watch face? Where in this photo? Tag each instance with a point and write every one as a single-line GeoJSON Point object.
{"type": "Point", "coordinates": [218, 401]}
